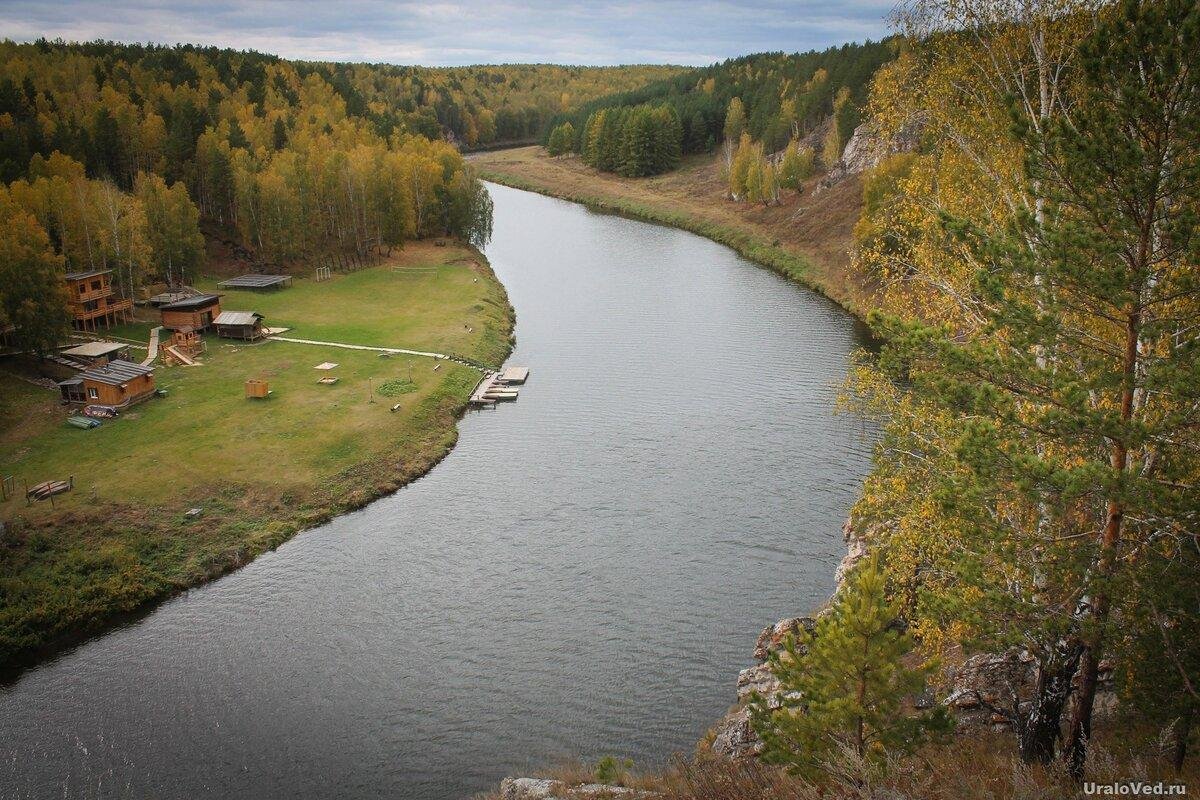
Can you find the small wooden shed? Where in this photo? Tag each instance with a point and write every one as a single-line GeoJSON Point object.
{"type": "Point", "coordinates": [96, 353]}
{"type": "Point", "coordinates": [191, 312]}
{"type": "Point", "coordinates": [245, 325]}
{"type": "Point", "coordinates": [117, 383]}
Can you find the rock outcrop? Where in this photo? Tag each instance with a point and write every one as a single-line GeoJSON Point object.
{"type": "Point", "coordinates": [867, 148]}
{"type": "Point", "coordinates": [856, 550]}
{"type": "Point", "coordinates": [549, 789]}
{"type": "Point", "coordinates": [986, 681]}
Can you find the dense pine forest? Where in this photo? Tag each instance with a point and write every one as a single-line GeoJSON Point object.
{"type": "Point", "coordinates": [773, 97]}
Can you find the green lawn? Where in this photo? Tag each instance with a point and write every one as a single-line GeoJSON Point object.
{"type": "Point", "coordinates": [259, 469]}
{"type": "Point", "coordinates": [421, 303]}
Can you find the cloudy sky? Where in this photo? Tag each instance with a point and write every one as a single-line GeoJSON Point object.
{"type": "Point", "coordinates": [448, 32]}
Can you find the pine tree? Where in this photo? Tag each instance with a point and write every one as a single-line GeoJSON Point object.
{"type": "Point", "coordinates": [279, 134]}
{"type": "Point", "coordinates": [1069, 404]}
{"type": "Point", "coordinates": [846, 684]}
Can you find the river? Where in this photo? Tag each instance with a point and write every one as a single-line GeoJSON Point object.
{"type": "Point", "coordinates": [583, 575]}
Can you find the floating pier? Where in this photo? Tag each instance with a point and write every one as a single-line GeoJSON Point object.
{"type": "Point", "coordinates": [498, 387]}
{"type": "Point", "coordinates": [514, 376]}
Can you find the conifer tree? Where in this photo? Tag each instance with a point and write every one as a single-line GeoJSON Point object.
{"type": "Point", "coordinates": [1068, 408]}
{"type": "Point", "coordinates": [846, 684]}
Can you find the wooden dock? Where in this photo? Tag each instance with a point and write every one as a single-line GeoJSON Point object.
{"type": "Point", "coordinates": [498, 387]}
{"type": "Point", "coordinates": [514, 376]}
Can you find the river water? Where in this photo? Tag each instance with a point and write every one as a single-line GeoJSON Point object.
{"type": "Point", "coordinates": [583, 575]}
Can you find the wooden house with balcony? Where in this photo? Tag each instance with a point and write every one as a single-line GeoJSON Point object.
{"type": "Point", "coordinates": [93, 301]}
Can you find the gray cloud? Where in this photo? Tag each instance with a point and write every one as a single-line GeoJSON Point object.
{"type": "Point", "coordinates": [450, 32]}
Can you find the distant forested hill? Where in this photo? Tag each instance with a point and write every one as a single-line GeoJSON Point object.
{"type": "Point", "coordinates": [782, 97]}
{"type": "Point", "coordinates": [77, 97]}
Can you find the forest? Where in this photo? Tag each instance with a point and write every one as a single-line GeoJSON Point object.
{"type": "Point", "coordinates": [112, 155]}
{"type": "Point", "coordinates": [779, 97]}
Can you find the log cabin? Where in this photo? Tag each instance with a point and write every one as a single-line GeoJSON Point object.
{"type": "Point", "coordinates": [93, 302]}
{"type": "Point", "coordinates": [246, 325]}
{"type": "Point", "coordinates": [117, 384]}
{"type": "Point", "coordinates": [196, 312]}
{"type": "Point", "coordinates": [94, 354]}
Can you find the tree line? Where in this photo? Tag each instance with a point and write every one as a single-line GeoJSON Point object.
{"type": "Point", "coordinates": [782, 98]}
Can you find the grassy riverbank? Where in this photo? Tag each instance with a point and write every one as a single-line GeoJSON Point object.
{"type": "Point", "coordinates": [807, 238]}
{"type": "Point", "coordinates": [259, 470]}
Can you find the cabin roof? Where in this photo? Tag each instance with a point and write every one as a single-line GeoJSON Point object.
{"type": "Point", "coordinates": [163, 298]}
{"type": "Point", "coordinates": [191, 303]}
{"type": "Point", "coordinates": [91, 273]}
{"type": "Point", "coordinates": [237, 318]}
{"type": "Point", "coordinates": [95, 349]}
{"type": "Point", "coordinates": [115, 373]}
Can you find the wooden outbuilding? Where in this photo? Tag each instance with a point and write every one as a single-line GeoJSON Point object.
{"type": "Point", "coordinates": [245, 325]}
{"type": "Point", "coordinates": [90, 354]}
{"type": "Point", "coordinates": [117, 384]}
{"type": "Point", "coordinates": [191, 312]}
{"type": "Point", "coordinates": [93, 301]}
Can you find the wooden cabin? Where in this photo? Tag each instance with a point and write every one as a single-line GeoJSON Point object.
{"type": "Point", "coordinates": [93, 302]}
{"type": "Point", "coordinates": [117, 384]}
{"type": "Point", "coordinates": [90, 354]}
{"type": "Point", "coordinates": [196, 312]}
{"type": "Point", "coordinates": [245, 325]}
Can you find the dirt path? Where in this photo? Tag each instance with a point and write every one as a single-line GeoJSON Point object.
{"type": "Point", "coordinates": [392, 350]}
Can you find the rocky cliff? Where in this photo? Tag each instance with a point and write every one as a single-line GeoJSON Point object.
{"type": "Point", "coordinates": [970, 688]}
{"type": "Point", "coordinates": [867, 147]}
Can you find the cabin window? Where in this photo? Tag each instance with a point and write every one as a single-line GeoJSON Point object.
{"type": "Point", "coordinates": [82, 288]}
{"type": "Point", "coordinates": [96, 284]}
{"type": "Point", "coordinates": [93, 394]}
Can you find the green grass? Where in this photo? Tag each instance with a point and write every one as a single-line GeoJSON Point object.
{"type": "Point", "coordinates": [421, 304]}
{"type": "Point", "coordinates": [259, 469]}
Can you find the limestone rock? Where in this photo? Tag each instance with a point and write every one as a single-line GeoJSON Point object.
{"type": "Point", "coordinates": [773, 636]}
{"type": "Point", "coordinates": [856, 550]}
{"type": "Point", "coordinates": [735, 738]}
{"type": "Point", "coordinates": [604, 790]}
{"type": "Point", "coordinates": [530, 789]}
{"type": "Point", "coordinates": [548, 789]}
{"type": "Point", "coordinates": [867, 148]}
{"type": "Point", "coordinates": [756, 679]}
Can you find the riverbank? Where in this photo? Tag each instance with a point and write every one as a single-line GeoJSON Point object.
{"type": "Point", "coordinates": [259, 472]}
{"type": "Point", "coordinates": [808, 238]}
